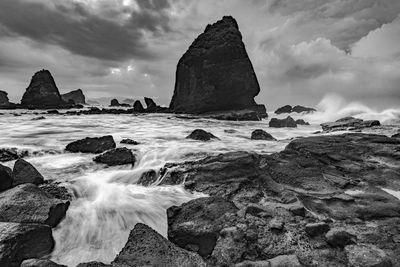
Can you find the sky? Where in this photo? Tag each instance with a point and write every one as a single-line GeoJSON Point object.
{"type": "Point", "coordinates": [300, 50]}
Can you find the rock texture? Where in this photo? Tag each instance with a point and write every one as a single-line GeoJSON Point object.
{"type": "Point", "coordinates": [7, 154]}
{"type": "Point", "coordinates": [117, 156]}
{"type": "Point", "coordinates": [76, 96]}
{"type": "Point", "coordinates": [215, 73]}
{"type": "Point", "coordinates": [40, 263]}
{"type": "Point", "coordinates": [92, 144]}
{"type": "Point", "coordinates": [24, 172]}
{"type": "Point", "coordinates": [42, 92]}
{"type": "Point", "coordinates": [348, 123]}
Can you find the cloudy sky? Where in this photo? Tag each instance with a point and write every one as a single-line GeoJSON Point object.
{"type": "Point", "coordinates": [301, 50]}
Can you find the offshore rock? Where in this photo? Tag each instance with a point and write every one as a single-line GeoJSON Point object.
{"type": "Point", "coordinates": [215, 73]}
{"type": "Point", "coordinates": [260, 134]}
{"type": "Point", "coordinates": [284, 109]}
{"type": "Point", "coordinates": [114, 103]}
{"type": "Point", "coordinates": [42, 92]}
{"type": "Point", "coordinates": [297, 109]}
{"type": "Point", "coordinates": [92, 145]}
{"type": "Point", "coordinates": [137, 106]}
{"type": "Point", "coordinates": [349, 123]}
{"type": "Point", "coordinates": [279, 123]}
{"type": "Point", "coordinates": [150, 104]}
{"type": "Point", "coordinates": [4, 102]}
{"type": "Point", "coordinates": [201, 135]}
{"type": "Point", "coordinates": [76, 96]}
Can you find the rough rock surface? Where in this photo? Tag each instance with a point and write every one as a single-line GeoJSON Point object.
{"type": "Point", "coordinates": [340, 238]}
{"type": "Point", "coordinates": [215, 73]}
{"type": "Point", "coordinates": [92, 144]}
{"type": "Point", "coordinates": [261, 135]}
{"type": "Point", "coordinates": [24, 172]}
{"type": "Point", "coordinates": [76, 96]}
{"type": "Point", "coordinates": [284, 109]}
{"type": "Point", "coordinates": [42, 92]}
{"type": "Point", "coordinates": [367, 256]}
{"type": "Point", "coordinates": [279, 123]}
{"type": "Point", "coordinates": [137, 106]}
{"type": "Point", "coordinates": [146, 247]}
{"type": "Point", "coordinates": [6, 179]}
{"type": "Point", "coordinates": [7, 154]}
{"type": "Point", "coordinates": [26, 203]}
{"type": "Point", "coordinates": [201, 135]}
{"type": "Point", "coordinates": [348, 123]}
{"type": "Point", "coordinates": [117, 156]}
{"type": "Point", "coordinates": [40, 263]}
{"type": "Point", "coordinates": [20, 241]}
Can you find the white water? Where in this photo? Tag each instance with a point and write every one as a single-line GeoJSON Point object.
{"type": "Point", "coordinates": [109, 202]}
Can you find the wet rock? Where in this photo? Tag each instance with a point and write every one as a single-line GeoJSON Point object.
{"type": "Point", "coordinates": [284, 109]}
{"type": "Point", "coordinates": [92, 144]}
{"type": "Point", "coordinates": [315, 229]}
{"type": "Point", "coordinates": [93, 264]}
{"type": "Point", "coordinates": [261, 135]}
{"type": "Point", "coordinates": [201, 135]}
{"type": "Point", "coordinates": [26, 203]}
{"type": "Point", "coordinates": [24, 172]}
{"type": "Point", "coordinates": [365, 255]}
{"type": "Point", "coordinates": [146, 247]}
{"type": "Point", "coordinates": [349, 123]}
{"type": "Point", "coordinates": [196, 224]}
{"type": "Point", "coordinates": [235, 115]}
{"type": "Point", "coordinates": [40, 263]}
{"type": "Point", "coordinates": [20, 241]}
{"type": "Point", "coordinates": [279, 123]}
{"type": "Point", "coordinates": [76, 96]}
{"type": "Point", "coordinates": [117, 156]}
{"type": "Point", "coordinates": [42, 92]}
{"type": "Point", "coordinates": [138, 107]}
{"type": "Point", "coordinates": [8, 154]}
{"type": "Point", "coordinates": [147, 178]}
{"type": "Point", "coordinates": [301, 122]}
{"type": "Point", "coordinates": [129, 142]}
{"type": "Point", "coordinates": [5, 178]}
{"type": "Point", "coordinates": [340, 238]}
{"type": "Point", "coordinates": [231, 246]}
{"type": "Point", "coordinates": [215, 73]}
{"type": "Point", "coordinates": [279, 261]}
{"type": "Point", "coordinates": [300, 109]}
{"type": "Point", "coordinates": [57, 191]}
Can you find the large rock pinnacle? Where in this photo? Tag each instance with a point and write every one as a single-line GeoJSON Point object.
{"type": "Point", "coordinates": [215, 73]}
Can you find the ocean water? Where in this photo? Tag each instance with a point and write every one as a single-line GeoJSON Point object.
{"type": "Point", "coordinates": [109, 202]}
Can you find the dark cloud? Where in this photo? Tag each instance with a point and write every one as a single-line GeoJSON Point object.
{"type": "Point", "coordinates": [76, 28]}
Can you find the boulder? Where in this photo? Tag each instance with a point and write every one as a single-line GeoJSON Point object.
{"type": "Point", "coordinates": [76, 96]}
{"type": "Point", "coordinates": [300, 109]}
{"type": "Point", "coordinates": [146, 247]}
{"type": "Point", "coordinates": [6, 179]}
{"type": "Point", "coordinates": [116, 156]}
{"type": "Point", "coordinates": [279, 123]}
{"type": "Point", "coordinates": [201, 135]}
{"type": "Point", "coordinates": [129, 142]}
{"type": "Point", "coordinates": [261, 135]}
{"type": "Point", "coordinates": [8, 154]}
{"type": "Point", "coordinates": [40, 263]}
{"type": "Point", "coordinates": [339, 238]}
{"type": "Point", "coordinates": [196, 224]}
{"type": "Point", "coordinates": [315, 229]}
{"type": "Point", "coordinates": [20, 241]}
{"type": "Point", "coordinates": [24, 172]}
{"type": "Point", "coordinates": [367, 255]}
{"type": "Point", "coordinates": [215, 73]}
{"type": "Point", "coordinates": [284, 109]}
{"type": "Point", "coordinates": [27, 203]}
{"type": "Point", "coordinates": [92, 145]}
{"type": "Point", "coordinates": [301, 122]}
{"type": "Point", "coordinates": [138, 107]}
{"type": "Point", "coordinates": [349, 123]}
{"type": "Point", "coordinates": [114, 103]}
{"type": "Point", "coordinates": [42, 92]}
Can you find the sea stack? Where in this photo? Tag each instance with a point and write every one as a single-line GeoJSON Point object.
{"type": "Point", "coordinates": [76, 96]}
{"type": "Point", "coordinates": [215, 74]}
{"type": "Point", "coordinates": [4, 99]}
{"type": "Point", "coordinates": [42, 92]}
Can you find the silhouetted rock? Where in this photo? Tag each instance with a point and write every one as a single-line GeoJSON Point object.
{"type": "Point", "coordinates": [396, 135]}
{"type": "Point", "coordinates": [129, 142]}
{"type": "Point", "coordinates": [5, 178]}
{"type": "Point", "coordinates": [137, 106]}
{"type": "Point", "coordinates": [301, 122]}
{"type": "Point", "coordinates": [261, 135]}
{"type": "Point", "coordinates": [57, 191]}
{"type": "Point", "coordinates": [92, 144]}
{"type": "Point", "coordinates": [24, 172]}
{"type": "Point", "coordinates": [40, 263]}
{"type": "Point", "coordinates": [150, 104]}
{"type": "Point", "coordinates": [146, 247]}
{"type": "Point", "coordinates": [201, 135]}
{"type": "Point", "coordinates": [349, 123]}
{"type": "Point", "coordinates": [279, 123]}
{"type": "Point", "coordinates": [300, 109]}
{"type": "Point", "coordinates": [42, 92]}
{"type": "Point", "coordinates": [215, 73]}
{"type": "Point", "coordinates": [7, 154]}
{"type": "Point", "coordinates": [4, 102]}
{"type": "Point", "coordinates": [20, 241]}
{"type": "Point", "coordinates": [114, 103]}
{"type": "Point", "coordinates": [76, 96]}
{"type": "Point", "coordinates": [117, 156]}
{"type": "Point", "coordinates": [284, 109]}
{"type": "Point", "coordinates": [27, 203]}
{"type": "Point", "coordinates": [366, 255]}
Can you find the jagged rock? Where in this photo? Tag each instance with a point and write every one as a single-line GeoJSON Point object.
{"type": "Point", "coordinates": [92, 145]}
{"type": "Point", "coordinates": [129, 142]}
{"type": "Point", "coordinates": [26, 203]}
{"type": "Point", "coordinates": [147, 178]}
{"type": "Point", "coordinates": [137, 106]}
{"type": "Point", "coordinates": [235, 115]}
{"type": "Point", "coordinates": [40, 263]}
{"type": "Point", "coordinates": [300, 109]}
{"type": "Point", "coordinates": [284, 109]}
{"type": "Point", "coordinates": [261, 135]}
{"type": "Point", "coordinates": [301, 122]}
{"type": "Point", "coordinates": [340, 238]}
{"type": "Point", "coordinates": [20, 241]}
{"type": "Point", "coordinates": [8, 154]}
{"type": "Point", "coordinates": [5, 178]}
{"type": "Point", "coordinates": [42, 92]}
{"type": "Point", "coordinates": [366, 255]}
{"type": "Point", "coordinates": [201, 135]}
{"type": "Point", "coordinates": [117, 156]}
{"type": "Point", "coordinates": [196, 224]}
{"type": "Point", "coordinates": [215, 73]}
{"type": "Point", "coordinates": [24, 172]}
{"type": "Point", "coordinates": [150, 104]}
{"type": "Point", "coordinates": [114, 103]}
{"type": "Point", "coordinates": [349, 123]}
{"type": "Point", "coordinates": [146, 247]}
{"type": "Point", "coordinates": [314, 229]}
{"type": "Point", "coordinates": [287, 122]}
{"type": "Point", "coordinates": [4, 102]}
{"type": "Point", "coordinates": [76, 96]}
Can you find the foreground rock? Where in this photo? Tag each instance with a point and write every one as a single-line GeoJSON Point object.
{"type": "Point", "coordinates": [74, 97]}
{"type": "Point", "coordinates": [280, 123]}
{"type": "Point", "coordinates": [215, 73]}
{"type": "Point", "coordinates": [42, 92]}
{"type": "Point", "coordinates": [261, 135]}
{"type": "Point", "coordinates": [117, 156]}
{"type": "Point", "coordinates": [40, 263]}
{"type": "Point", "coordinates": [24, 172]}
{"type": "Point", "coordinates": [27, 203]}
{"type": "Point", "coordinates": [201, 135]}
{"type": "Point", "coordinates": [8, 154]}
{"type": "Point", "coordinates": [92, 145]}
{"type": "Point", "coordinates": [348, 123]}
{"type": "Point", "coordinates": [20, 241]}
{"type": "Point", "coordinates": [6, 179]}
{"type": "Point", "coordinates": [367, 256]}
{"type": "Point", "coordinates": [290, 109]}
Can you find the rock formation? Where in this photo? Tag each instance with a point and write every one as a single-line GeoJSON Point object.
{"type": "Point", "coordinates": [279, 123]}
{"type": "Point", "coordinates": [137, 106]}
{"type": "Point", "coordinates": [42, 92]}
{"type": "Point", "coordinates": [76, 96]}
{"type": "Point", "coordinates": [92, 145]}
{"type": "Point", "coordinates": [215, 73]}
{"type": "Point", "coordinates": [4, 99]}
{"type": "Point", "coordinates": [290, 109]}
{"type": "Point", "coordinates": [260, 134]}
{"type": "Point", "coordinates": [348, 123]}
{"type": "Point", "coordinates": [117, 156]}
